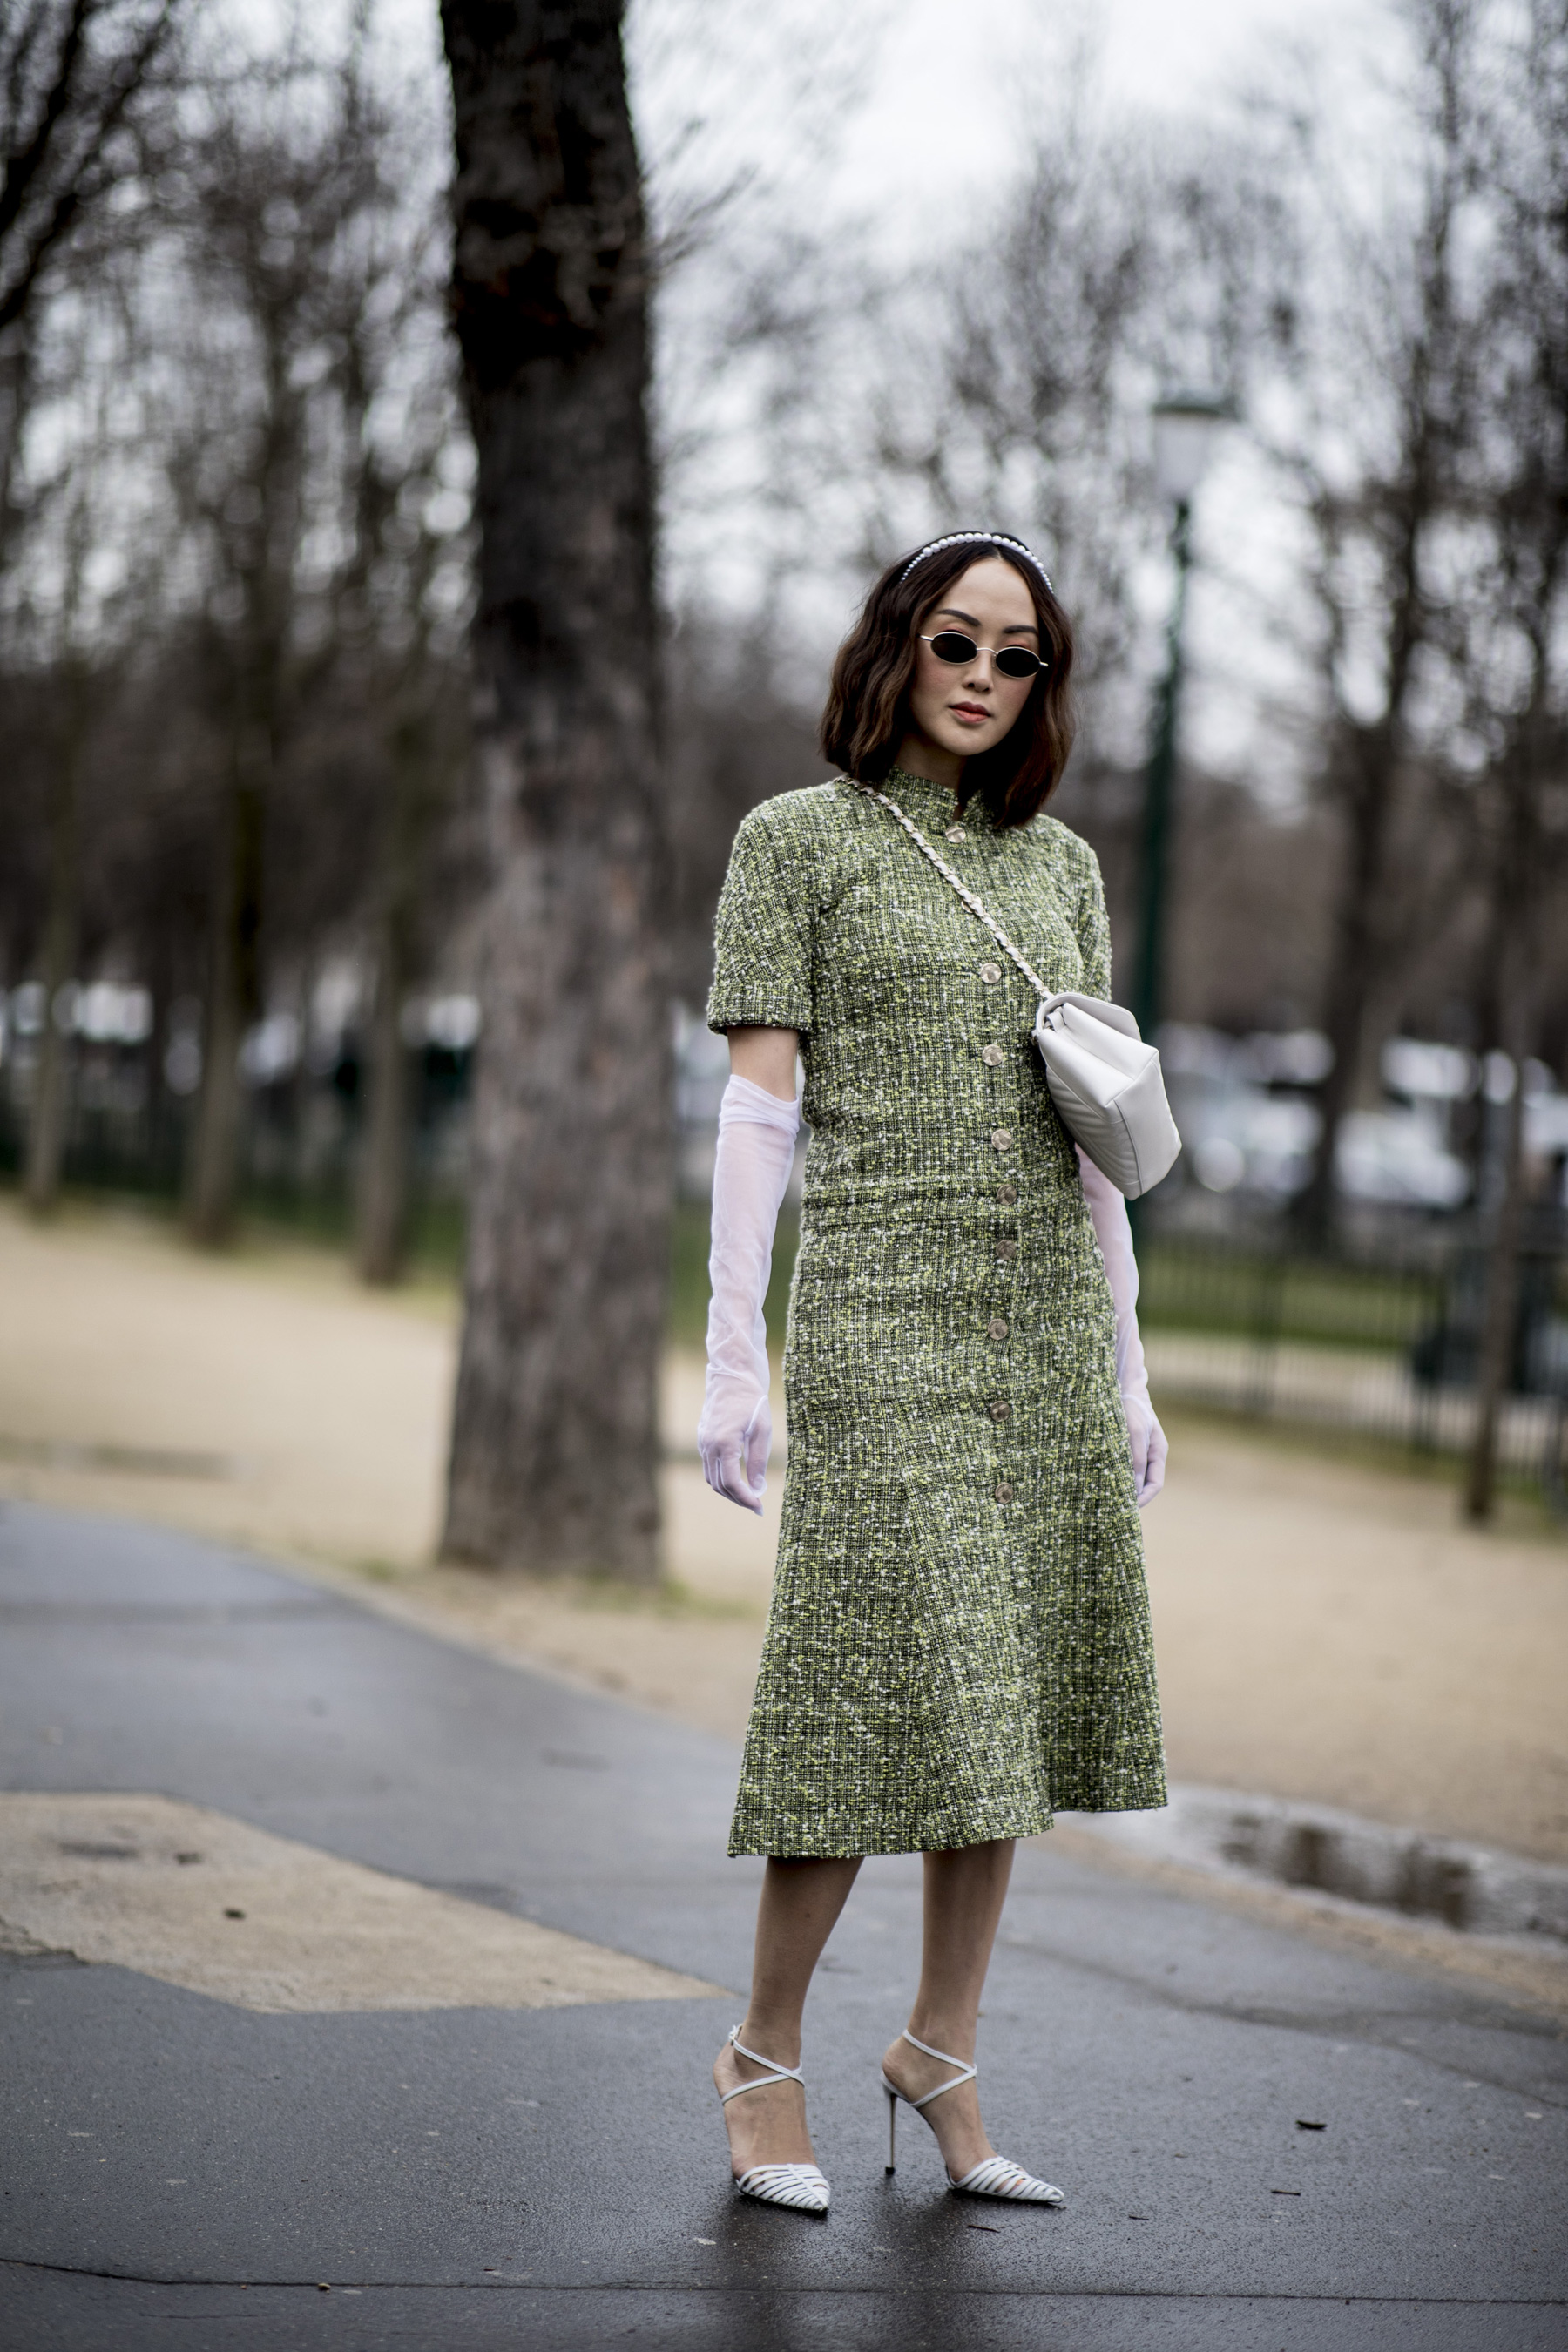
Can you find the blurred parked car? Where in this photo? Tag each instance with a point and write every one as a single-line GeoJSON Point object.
{"type": "Point", "coordinates": [1246, 1109]}
{"type": "Point", "coordinates": [1239, 1132]}
{"type": "Point", "coordinates": [1399, 1155]}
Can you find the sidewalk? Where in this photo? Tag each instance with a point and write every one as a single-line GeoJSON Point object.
{"type": "Point", "coordinates": [184, 2167]}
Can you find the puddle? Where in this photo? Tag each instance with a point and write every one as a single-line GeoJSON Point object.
{"type": "Point", "coordinates": [1474, 1889]}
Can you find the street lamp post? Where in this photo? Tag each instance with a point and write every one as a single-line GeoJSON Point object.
{"type": "Point", "coordinates": [1184, 429]}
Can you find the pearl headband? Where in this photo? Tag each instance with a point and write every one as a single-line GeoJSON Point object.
{"type": "Point", "coordinates": [962, 537]}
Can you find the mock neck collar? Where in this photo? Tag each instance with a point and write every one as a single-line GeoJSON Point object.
{"type": "Point", "coordinates": [934, 807]}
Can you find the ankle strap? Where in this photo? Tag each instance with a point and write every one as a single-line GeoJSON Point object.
{"type": "Point", "coordinates": [965, 2074]}
{"type": "Point", "coordinates": [776, 2074]}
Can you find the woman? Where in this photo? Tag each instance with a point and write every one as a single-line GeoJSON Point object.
{"type": "Point", "coordinates": [959, 1636]}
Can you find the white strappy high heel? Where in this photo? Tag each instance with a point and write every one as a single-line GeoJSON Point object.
{"type": "Point", "coordinates": [799, 2185]}
{"type": "Point", "coordinates": [995, 2177]}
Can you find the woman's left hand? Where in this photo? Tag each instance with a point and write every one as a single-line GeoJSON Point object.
{"type": "Point", "coordinates": [1147, 1440]}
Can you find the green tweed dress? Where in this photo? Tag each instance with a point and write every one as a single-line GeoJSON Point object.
{"type": "Point", "coordinates": [959, 1636]}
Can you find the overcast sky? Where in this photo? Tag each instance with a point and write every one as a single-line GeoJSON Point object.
{"type": "Point", "coordinates": [954, 85]}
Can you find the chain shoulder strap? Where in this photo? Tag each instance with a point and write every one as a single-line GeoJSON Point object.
{"type": "Point", "coordinates": [968, 896]}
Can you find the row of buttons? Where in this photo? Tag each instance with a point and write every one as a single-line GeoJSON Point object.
{"type": "Point", "coordinates": [994, 1056]}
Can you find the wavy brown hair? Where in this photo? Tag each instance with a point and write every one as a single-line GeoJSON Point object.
{"type": "Point", "coordinates": [868, 712]}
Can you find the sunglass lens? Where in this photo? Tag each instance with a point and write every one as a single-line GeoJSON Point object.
{"type": "Point", "coordinates": [953, 646]}
{"type": "Point", "coordinates": [1018, 661]}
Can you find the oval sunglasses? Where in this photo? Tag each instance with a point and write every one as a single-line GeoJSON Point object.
{"type": "Point", "coordinates": [1013, 661]}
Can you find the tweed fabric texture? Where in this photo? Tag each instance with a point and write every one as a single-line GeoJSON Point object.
{"type": "Point", "coordinates": [959, 1634]}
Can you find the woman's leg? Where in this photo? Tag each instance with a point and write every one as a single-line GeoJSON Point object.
{"type": "Point", "coordinates": [965, 1892]}
{"type": "Point", "coordinates": [801, 1901]}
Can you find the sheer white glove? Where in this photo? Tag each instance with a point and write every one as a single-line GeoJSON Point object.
{"type": "Point", "coordinates": [756, 1150]}
{"type": "Point", "coordinates": [1145, 1435]}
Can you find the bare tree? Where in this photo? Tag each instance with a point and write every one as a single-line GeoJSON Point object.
{"type": "Point", "coordinates": [1378, 334]}
{"type": "Point", "coordinates": [272, 355]}
{"type": "Point", "coordinates": [418, 744]}
{"type": "Point", "coordinates": [68, 615]}
{"type": "Point", "coordinates": [554, 1449]}
{"type": "Point", "coordinates": [73, 73]}
{"type": "Point", "coordinates": [86, 114]}
{"type": "Point", "coordinates": [272, 197]}
{"type": "Point", "coordinates": [391, 636]}
{"type": "Point", "coordinates": [1511, 633]}
{"type": "Point", "coordinates": [71, 709]}
{"type": "Point", "coordinates": [383, 1204]}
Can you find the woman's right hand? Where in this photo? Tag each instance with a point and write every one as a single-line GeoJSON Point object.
{"type": "Point", "coordinates": [733, 1437]}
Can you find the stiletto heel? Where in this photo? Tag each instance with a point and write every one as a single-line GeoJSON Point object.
{"type": "Point", "coordinates": [892, 2164]}
{"type": "Point", "coordinates": [802, 2186]}
{"type": "Point", "coordinates": [995, 2177]}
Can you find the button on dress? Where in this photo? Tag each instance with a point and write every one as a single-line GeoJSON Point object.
{"type": "Point", "coordinates": [959, 1636]}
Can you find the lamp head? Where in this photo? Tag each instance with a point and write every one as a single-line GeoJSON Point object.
{"type": "Point", "coordinates": [1186, 426]}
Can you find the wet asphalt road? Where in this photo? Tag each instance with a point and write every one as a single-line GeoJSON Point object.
{"type": "Point", "coordinates": [556, 2178]}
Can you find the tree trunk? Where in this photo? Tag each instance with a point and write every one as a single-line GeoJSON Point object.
{"type": "Point", "coordinates": [62, 925]}
{"type": "Point", "coordinates": [213, 1182]}
{"type": "Point", "coordinates": [1357, 966]}
{"type": "Point", "coordinates": [383, 1165]}
{"type": "Point", "coordinates": [1495, 1369]}
{"type": "Point", "coordinates": [1516, 906]}
{"type": "Point", "coordinates": [554, 1446]}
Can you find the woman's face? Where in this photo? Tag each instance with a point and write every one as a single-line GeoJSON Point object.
{"type": "Point", "coordinates": [957, 709]}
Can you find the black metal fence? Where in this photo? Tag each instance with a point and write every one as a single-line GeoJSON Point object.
{"type": "Point", "coordinates": [299, 1139]}
{"type": "Point", "coordinates": [1384, 1343]}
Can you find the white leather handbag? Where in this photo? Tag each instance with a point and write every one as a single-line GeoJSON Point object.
{"type": "Point", "coordinates": [1105, 1082]}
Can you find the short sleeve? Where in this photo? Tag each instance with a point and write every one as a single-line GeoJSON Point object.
{"type": "Point", "coordinates": [763, 933]}
{"type": "Point", "coordinates": [1094, 930]}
